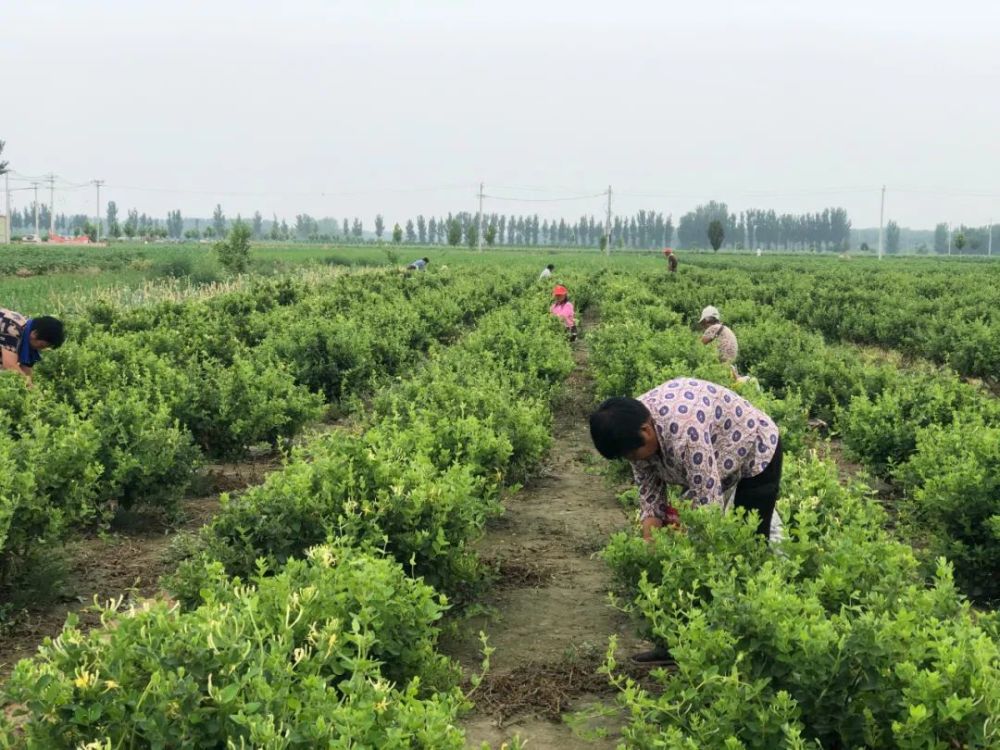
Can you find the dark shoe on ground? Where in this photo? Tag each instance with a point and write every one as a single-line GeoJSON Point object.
{"type": "Point", "coordinates": [656, 657]}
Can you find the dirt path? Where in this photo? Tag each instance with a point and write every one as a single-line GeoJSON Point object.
{"type": "Point", "coordinates": [550, 617]}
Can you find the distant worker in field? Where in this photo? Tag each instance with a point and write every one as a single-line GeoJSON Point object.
{"type": "Point", "coordinates": [713, 330]}
{"type": "Point", "coordinates": [700, 436]}
{"type": "Point", "coordinates": [22, 339]}
{"type": "Point", "coordinates": [562, 308]}
{"type": "Point", "coordinates": [668, 253]}
{"type": "Point", "coordinates": [420, 264]}
{"type": "Point", "coordinates": [759, 252]}
{"type": "Point", "coordinates": [726, 344]}
{"type": "Point", "coordinates": [547, 271]}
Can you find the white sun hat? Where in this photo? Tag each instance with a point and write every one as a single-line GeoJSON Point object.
{"type": "Point", "coordinates": [709, 313]}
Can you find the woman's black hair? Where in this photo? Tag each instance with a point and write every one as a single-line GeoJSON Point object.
{"type": "Point", "coordinates": [616, 425]}
{"type": "Point", "coordinates": [50, 330]}
{"type": "Point", "coordinates": [427, 260]}
{"type": "Point", "coordinates": [551, 267]}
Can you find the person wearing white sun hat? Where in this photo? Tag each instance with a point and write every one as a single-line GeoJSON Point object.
{"type": "Point", "coordinates": [727, 346]}
{"type": "Point", "coordinates": [713, 330]}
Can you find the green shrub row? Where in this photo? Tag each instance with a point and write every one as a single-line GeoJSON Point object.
{"type": "Point", "coordinates": [836, 640]}
{"type": "Point", "coordinates": [336, 650]}
{"type": "Point", "coordinates": [422, 475]}
{"type": "Point", "coordinates": [923, 428]}
{"type": "Point", "coordinates": [125, 411]}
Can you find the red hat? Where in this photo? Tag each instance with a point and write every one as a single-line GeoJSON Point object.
{"type": "Point", "coordinates": [667, 250]}
{"type": "Point", "coordinates": [559, 290]}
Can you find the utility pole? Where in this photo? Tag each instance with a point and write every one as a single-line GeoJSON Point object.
{"type": "Point", "coordinates": [35, 185]}
{"type": "Point", "coordinates": [97, 184]}
{"type": "Point", "coordinates": [52, 203]}
{"type": "Point", "coordinates": [881, 224]}
{"type": "Point", "coordinates": [6, 191]}
{"type": "Point", "coordinates": [480, 217]}
{"type": "Point", "coordinates": [607, 226]}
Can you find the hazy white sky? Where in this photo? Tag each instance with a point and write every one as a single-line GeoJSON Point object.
{"type": "Point", "coordinates": [352, 108]}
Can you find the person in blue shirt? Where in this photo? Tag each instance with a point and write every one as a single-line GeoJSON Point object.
{"type": "Point", "coordinates": [22, 339]}
{"type": "Point", "coordinates": [419, 265]}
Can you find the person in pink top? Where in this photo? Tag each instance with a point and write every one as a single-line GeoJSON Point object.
{"type": "Point", "coordinates": [562, 308]}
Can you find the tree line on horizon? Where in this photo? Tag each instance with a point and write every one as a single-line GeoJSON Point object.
{"type": "Point", "coordinates": [827, 230]}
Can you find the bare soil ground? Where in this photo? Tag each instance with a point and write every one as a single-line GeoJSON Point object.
{"type": "Point", "coordinates": [549, 616]}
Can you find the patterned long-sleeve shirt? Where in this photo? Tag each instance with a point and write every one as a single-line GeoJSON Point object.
{"type": "Point", "coordinates": [710, 438]}
{"type": "Point", "coordinates": [11, 327]}
{"type": "Point", "coordinates": [725, 340]}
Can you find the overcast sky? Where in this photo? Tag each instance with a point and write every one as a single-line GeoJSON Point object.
{"type": "Point", "coordinates": [353, 108]}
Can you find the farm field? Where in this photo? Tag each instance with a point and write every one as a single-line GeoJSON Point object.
{"type": "Point", "coordinates": [299, 496]}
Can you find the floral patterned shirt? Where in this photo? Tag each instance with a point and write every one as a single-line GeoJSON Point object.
{"type": "Point", "coordinates": [710, 438]}
{"type": "Point", "coordinates": [11, 326]}
{"type": "Point", "coordinates": [725, 340]}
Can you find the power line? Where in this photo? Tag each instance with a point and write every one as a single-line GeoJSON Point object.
{"type": "Point", "coordinates": [545, 200]}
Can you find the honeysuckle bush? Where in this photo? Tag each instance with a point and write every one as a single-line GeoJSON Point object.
{"type": "Point", "coordinates": [422, 478]}
{"type": "Point", "coordinates": [256, 365]}
{"type": "Point", "coordinates": [881, 430]}
{"type": "Point", "coordinates": [943, 311]}
{"type": "Point", "coordinates": [640, 345]}
{"type": "Point", "coordinates": [834, 639]}
{"type": "Point", "coordinates": [337, 650]}
{"type": "Point", "coordinates": [51, 467]}
{"type": "Point", "coordinates": [879, 410]}
{"type": "Point", "coordinates": [123, 414]}
{"type": "Point", "coordinates": [951, 503]}
{"type": "Point", "coordinates": [340, 487]}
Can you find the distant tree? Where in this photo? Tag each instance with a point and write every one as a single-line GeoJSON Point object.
{"type": "Point", "coordinates": [175, 224]}
{"type": "Point", "coordinates": [305, 226]}
{"type": "Point", "coordinates": [114, 228]}
{"type": "Point", "coordinates": [397, 232]}
{"type": "Point", "coordinates": [286, 234]}
{"type": "Point", "coordinates": [490, 233]}
{"type": "Point", "coordinates": [219, 220]}
{"type": "Point", "coordinates": [357, 229]}
{"type": "Point", "coordinates": [234, 251]}
{"type": "Point", "coordinates": [275, 228]}
{"type": "Point", "coordinates": [132, 223]}
{"type": "Point", "coordinates": [941, 238]}
{"type": "Point", "coordinates": [347, 231]}
{"type": "Point", "coordinates": [454, 232]}
{"type": "Point", "coordinates": [422, 229]}
{"type": "Point", "coordinates": [716, 234]}
{"type": "Point", "coordinates": [379, 226]}
{"type": "Point", "coordinates": [892, 238]}
{"type": "Point", "coordinates": [258, 225]}
{"type": "Point", "coordinates": [3, 164]}
{"type": "Point", "coordinates": [192, 234]}
{"type": "Point", "coordinates": [209, 232]}
{"type": "Point", "coordinates": [959, 241]}
{"type": "Point", "coordinates": [432, 231]}
{"type": "Point", "coordinates": [411, 232]}
{"type": "Point", "coordinates": [472, 233]}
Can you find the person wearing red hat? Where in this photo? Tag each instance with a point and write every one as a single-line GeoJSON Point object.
{"type": "Point", "coordinates": [668, 253]}
{"type": "Point", "coordinates": [562, 308]}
